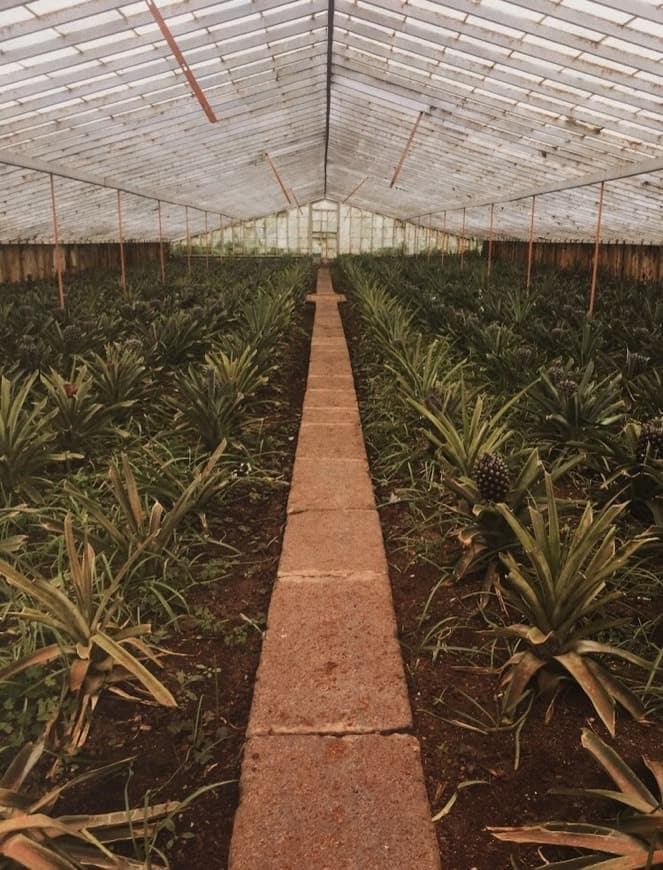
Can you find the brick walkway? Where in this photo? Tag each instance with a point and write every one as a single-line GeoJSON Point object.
{"type": "Point", "coordinates": [328, 783]}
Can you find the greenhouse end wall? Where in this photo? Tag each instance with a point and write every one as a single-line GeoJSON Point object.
{"type": "Point", "coordinates": [25, 262]}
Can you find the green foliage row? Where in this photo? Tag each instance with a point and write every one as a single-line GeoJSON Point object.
{"type": "Point", "coordinates": [128, 423]}
{"type": "Point", "coordinates": [535, 434]}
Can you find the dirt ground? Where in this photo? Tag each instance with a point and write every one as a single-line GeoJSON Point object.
{"type": "Point", "coordinates": [550, 755]}
{"type": "Point", "coordinates": [213, 666]}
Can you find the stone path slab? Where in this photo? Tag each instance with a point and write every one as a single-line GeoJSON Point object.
{"type": "Point", "coordinates": [331, 398]}
{"type": "Point", "coordinates": [331, 364]}
{"type": "Point", "coordinates": [331, 662]}
{"type": "Point", "coordinates": [326, 803]}
{"type": "Point", "coordinates": [341, 439]}
{"type": "Point", "coordinates": [335, 382]}
{"type": "Point", "coordinates": [340, 541]}
{"type": "Point", "coordinates": [330, 484]}
{"type": "Point", "coordinates": [349, 652]}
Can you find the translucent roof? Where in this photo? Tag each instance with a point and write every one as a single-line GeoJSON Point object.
{"type": "Point", "coordinates": [412, 109]}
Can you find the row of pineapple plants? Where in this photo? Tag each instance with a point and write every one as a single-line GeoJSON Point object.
{"type": "Point", "coordinates": [129, 420]}
{"type": "Point", "coordinates": [534, 435]}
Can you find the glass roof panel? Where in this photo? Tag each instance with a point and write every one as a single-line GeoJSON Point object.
{"type": "Point", "coordinates": [517, 96]}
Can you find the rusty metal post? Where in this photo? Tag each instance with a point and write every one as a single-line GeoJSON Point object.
{"type": "Point", "coordinates": [123, 273]}
{"type": "Point", "coordinates": [188, 239]}
{"type": "Point", "coordinates": [445, 237]}
{"type": "Point", "coordinates": [161, 257]}
{"type": "Point", "coordinates": [56, 243]}
{"type": "Point", "coordinates": [530, 248]}
{"type": "Point", "coordinates": [462, 243]}
{"type": "Point", "coordinates": [309, 234]}
{"type": "Point", "coordinates": [207, 245]}
{"type": "Point", "coordinates": [490, 244]}
{"type": "Point", "coordinates": [597, 242]}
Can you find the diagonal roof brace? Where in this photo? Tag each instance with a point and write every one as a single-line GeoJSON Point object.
{"type": "Point", "coordinates": [355, 189]}
{"type": "Point", "coordinates": [278, 178]}
{"type": "Point", "coordinates": [397, 171]}
{"type": "Point", "coordinates": [179, 57]}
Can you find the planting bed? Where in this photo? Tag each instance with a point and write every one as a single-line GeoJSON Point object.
{"type": "Point", "coordinates": [483, 767]}
{"type": "Point", "coordinates": [206, 594]}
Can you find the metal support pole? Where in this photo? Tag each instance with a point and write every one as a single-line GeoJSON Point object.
{"type": "Point", "coordinates": [56, 243]}
{"type": "Point", "coordinates": [161, 257]}
{"type": "Point", "coordinates": [310, 229]}
{"type": "Point", "coordinates": [123, 273]}
{"type": "Point", "coordinates": [462, 243]}
{"type": "Point", "coordinates": [490, 244]}
{"type": "Point", "coordinates": [221, 237]}
{"type": "Point", "coordinates": [530, 249]}
{"type": "Point", "coordinates": [207, 245]}
{"type": "Point", "coordinates": [445, 237]}
{"type": "Point", "coordinates": [597, 242]}
{"type": "Point", "coordinates": [188, 239]}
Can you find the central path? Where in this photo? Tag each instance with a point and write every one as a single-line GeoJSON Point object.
{"type": "Point", "coordinates": [328, 782]}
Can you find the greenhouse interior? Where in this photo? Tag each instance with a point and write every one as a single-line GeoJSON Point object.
{"type": "Point", "coordinates": [331, 434]}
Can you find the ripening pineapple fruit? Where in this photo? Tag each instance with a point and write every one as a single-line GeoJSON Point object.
{"type": "Point", "coordinates": [72, 338]}
{"type": "Point", "coordinates": [650, 442]}
{"type": "Point", "coordinates": [491, 475]}
{"type": "Point", "coordinates": [30, 354]}
{"type": "Point", "coordinates": [522, 356]}
{"type": "Point", "coordinates": [567, 386]}
{"type": "Point", "coordinates": [556, 373]}
{"type": "Point", "coordinates": [636, 364]}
